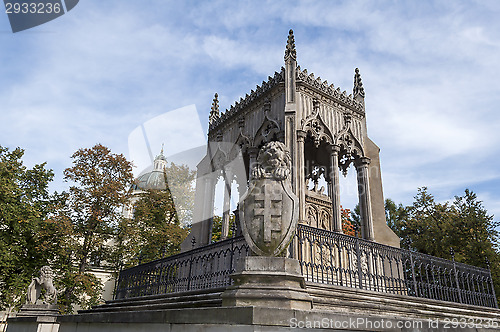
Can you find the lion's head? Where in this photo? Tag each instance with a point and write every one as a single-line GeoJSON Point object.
{"type": "Point", "coordinates": [274, 160]}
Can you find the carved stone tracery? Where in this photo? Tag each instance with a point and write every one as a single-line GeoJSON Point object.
{"type": "Point", "coordinates": [269, 131]}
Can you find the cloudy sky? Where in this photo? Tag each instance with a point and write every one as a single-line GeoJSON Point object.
{"type": "Point", "coordinates": [107, 69]}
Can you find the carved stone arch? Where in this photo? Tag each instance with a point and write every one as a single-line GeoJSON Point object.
{"type": "Point", "coordinates": [346, 139]}
{"type": "Point", "coordinates": [324, 219]}
{"type": "Point", "coordinates": [219, 159]}
{"type": "Point", "coordinates": [312, 215]}
{"type": "Point", "coordinates": [239, 166]}
{"type": "Point", "coordinates": [239, 152]}
{"type": "Point", "coordinates": [319, 131]}
{"type": "Point", "coordinates": [242, 144]}
{"type": "Point", "coordinates": [269, 131]}
{"type": "Point", "coordinates": [350, 149]}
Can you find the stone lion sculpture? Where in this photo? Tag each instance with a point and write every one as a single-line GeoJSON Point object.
{"type": "Point", "coordinates": [273, 161]}
{"type": "Point", "coordinates": [43, 282]}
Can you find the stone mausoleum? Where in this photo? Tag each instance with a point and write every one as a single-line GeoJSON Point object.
{"type": "Point", "coordinates": [285, 263]}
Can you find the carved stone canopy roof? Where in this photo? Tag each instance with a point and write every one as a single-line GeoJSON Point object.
{"type": "Point", "coordinates": [353, 103]}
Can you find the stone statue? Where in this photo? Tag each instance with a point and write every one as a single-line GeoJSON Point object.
{"type": "Point", "coordinates": [274, 161]}
{"type": "Point", "coordinates": [45, 282]}
{"type": "Point", "coordinates": [269, 209]}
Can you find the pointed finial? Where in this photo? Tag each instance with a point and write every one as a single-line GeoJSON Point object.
{"type": "Point", "coordinates": [160, 160]}
{"type": "Point", "coordinates": [358, 89]}
{"type": "Point", "coordinates": [290, 51]}
{"type": "Point", "coordinates": [214, 113]}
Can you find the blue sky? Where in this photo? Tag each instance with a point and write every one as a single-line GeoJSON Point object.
{"type": "Point", "coordinates": [429, 70]}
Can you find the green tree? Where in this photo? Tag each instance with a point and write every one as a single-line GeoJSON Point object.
{"type": "Point", "coordinates": [154, 231]}
{"type": "Point", "coordinates": [159, 223]}
{"type": "Point", "coordinates": [395, 214]}
{"type": "Point", "coordinates": [423, 226]}
{"type": "Point", "coordinates": [435, 228]}
{"type": "Point", "coordinates": [101, 182]}
{"type": "Point", "coordinates": [25, 243]}
{"type": "Point", "coordinates": [475, 237]}
{"type": "Point", "coordinates": [180, 179]}
{"type": "Point", "coordinates": [217, 227]}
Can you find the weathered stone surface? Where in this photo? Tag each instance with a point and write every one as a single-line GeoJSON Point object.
{"type": "Point", "coordinates": [43, 282]}
{"type": "Point", "coordinates": [269, 209]}
{"type": "Point", "coordinates": [383, 234]}
{"type": "Point", "coordinates": [35, 318]}
{"type": "Point", "coordinates": [34, 310]}
{"type": "Point", "coordinates": [271, 282]}
{"type": "Point", "coordinates": [252, 319]}
{"type": "Point", "coordinates": [268, 215]}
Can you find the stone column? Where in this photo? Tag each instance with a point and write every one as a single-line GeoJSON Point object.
{"type": "Point", "coordinates": [301, 181]}
{"type": "Point", "coordinates": [227, 202]}
{"type": "Point", "coordinates": [334, 190]}
{"type": "Point", "coordinates": [365, 206]}
{"type": "Point", "coordinates": [252, 154]}
{"type": "Point", "coordinates": [208, 209]}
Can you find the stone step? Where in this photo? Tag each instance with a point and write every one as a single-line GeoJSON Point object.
{"type": "Point", "coordinates": [192, 299]}
{"type": "Point", "coordinates": [159, 306]}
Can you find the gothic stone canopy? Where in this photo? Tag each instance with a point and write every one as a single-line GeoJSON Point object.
{"type": "Point", "coordinates": [325, 131]}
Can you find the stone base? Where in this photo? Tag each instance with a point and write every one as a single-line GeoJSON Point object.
{"type": "Point", "coordinates": [35, 310]}
{"type": "Point", "coordinates": [257, 319]}
{"type": "Point", "coordinates": [271, 282]}
{"type": "Point", "coordinates": [35, 318]}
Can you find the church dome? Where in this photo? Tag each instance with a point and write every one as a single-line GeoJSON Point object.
{"type": "Point", "coordinates": [154, 179]}
{"type": "Point", "coordinates": [151, 180]}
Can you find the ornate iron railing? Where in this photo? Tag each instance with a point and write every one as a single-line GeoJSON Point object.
{"type": "Point", "coordinates": [201, 268]}
{"type": "Point", "coordinates": [325, 257]}
{"type": "Point", "coordinates": [338, 259]}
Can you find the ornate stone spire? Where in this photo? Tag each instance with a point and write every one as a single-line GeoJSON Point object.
{"type": "Point", "coordinates": [290, 51]}
{"type": "Point", "coordinates": [290, 72]}
{"type": "Point", "coordinates": [358, 89]}
{"type": "Point", "coordinates": [214, 113]}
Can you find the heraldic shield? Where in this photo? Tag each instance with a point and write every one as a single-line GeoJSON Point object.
{"type": "Point", "coordinates": [269, 209]}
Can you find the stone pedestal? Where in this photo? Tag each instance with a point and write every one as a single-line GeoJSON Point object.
{"type": "Point", "coordinates": [34, 310]}
{"type": "Point", "coordinates": [271, 282]}
{"type": "Point", "coordinates": [35, 318]}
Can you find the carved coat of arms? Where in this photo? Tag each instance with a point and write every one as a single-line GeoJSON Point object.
{"type": "Point", "coordinates": [269, 209]}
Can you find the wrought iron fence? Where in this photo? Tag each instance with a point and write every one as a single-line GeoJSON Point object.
{"type": "Point", "coordinates": [325, 257]}
{"type": "Point", "coordinates": [338, 259]}
{"type": "Point", "coordinates": [201, 268]}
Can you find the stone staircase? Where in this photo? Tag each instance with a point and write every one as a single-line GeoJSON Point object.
{"type": "Point", "coordinates": [191, 299]}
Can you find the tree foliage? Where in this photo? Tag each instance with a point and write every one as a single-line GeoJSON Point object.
{"type": "Point", "coordinates": [435, 228]}
{"type": "Point", "coordinates": [179, 179]}
{"type": "Point", "coordinates": [217, 227]}
{"type": "Point", "coordinates": [158, 226]}
{"type": "Point", "coordinates": [26, 242]}
{"type": "Point", "coordinates": [78, 229]}
{"type": "Point", "coordinates": [101, 182]}
{"type": "Point", "coordinates": [348, 224]}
